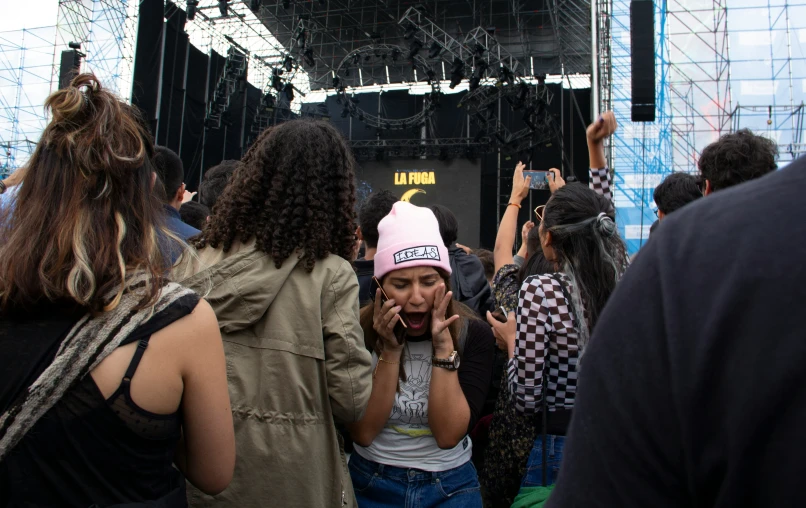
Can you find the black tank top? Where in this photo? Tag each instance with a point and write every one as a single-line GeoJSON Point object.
{"type": "Point", "coordinates": [86, 451]}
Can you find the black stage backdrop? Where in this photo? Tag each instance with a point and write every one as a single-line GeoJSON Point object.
{"type": "Point", "coordinates": [453, 183]}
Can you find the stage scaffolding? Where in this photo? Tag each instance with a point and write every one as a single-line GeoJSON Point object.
{"type": "Point", "coordinates": [722, 65]}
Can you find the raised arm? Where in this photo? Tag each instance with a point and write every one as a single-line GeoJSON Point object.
{"type": "Point", "coordinates": [597, 132]}
{"type": "Point", "coordinates": [505, 240]}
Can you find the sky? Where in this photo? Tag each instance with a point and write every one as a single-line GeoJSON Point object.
{"type": "Point", "coordinates": [28, 14]}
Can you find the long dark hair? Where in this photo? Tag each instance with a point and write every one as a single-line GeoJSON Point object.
{"type": "Point", "coordinates": [294, 191]}
{"type": "Point", "coordinates": [85, 217]}
{"type": "Point", "coordinates": [588, 247]}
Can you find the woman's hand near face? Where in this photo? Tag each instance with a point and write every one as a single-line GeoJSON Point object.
{"type": "Point", "coordinates": [385, 318]}
{"type": "Point", "coordinates": [440, 333]}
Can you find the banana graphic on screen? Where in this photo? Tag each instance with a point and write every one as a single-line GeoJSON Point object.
{"type": "Point", "coordinates": [410, 194]}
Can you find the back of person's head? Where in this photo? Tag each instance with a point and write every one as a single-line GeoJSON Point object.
{"type": "Point", "coordinates": [294, 191]}
{"type": "Point", "coordinates": [536, 262]}
{"type": "Point", "coordinates": [85, 219]}
{"type": "Point", "coordinates": [215, 180]}
{"type": "Point", "coordinates": [487, 261]}
{"type": "Point", "coordinates": [676, 191]}
{"type": "Point", "coordinates": [736, 158]}
{"type": "Point", "coordinates": [170, 171]}
{"type": "Point", "coordinates": [194, 214]}
{"type": "Point", "coordinates": [448, 225]}
{"type": "Point", "coordinates": [376, 207]}
{"type": "Point", "coordinates": [587, 246]}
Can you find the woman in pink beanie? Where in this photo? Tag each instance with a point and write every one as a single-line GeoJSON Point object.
{"type": "Point", "coordinates": [412, 447]}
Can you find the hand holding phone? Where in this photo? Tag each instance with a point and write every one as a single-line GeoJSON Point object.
{"type": "Point", "coordinates": [500, 315]}
{"type": "Point", "coordinates": [382, 319]}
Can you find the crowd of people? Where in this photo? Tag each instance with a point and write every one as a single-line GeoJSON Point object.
{"type": "Point", "coordinates": [266, 342]}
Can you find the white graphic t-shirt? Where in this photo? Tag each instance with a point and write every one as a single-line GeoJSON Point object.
{"type": "Point", "coordinates": [406, 441]}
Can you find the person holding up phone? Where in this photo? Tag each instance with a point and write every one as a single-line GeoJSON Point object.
{"type": "Point", "coordinates": [429, 384]}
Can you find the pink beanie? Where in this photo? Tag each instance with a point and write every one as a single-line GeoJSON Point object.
{"type": "Point", "coordinates": [407, 237]}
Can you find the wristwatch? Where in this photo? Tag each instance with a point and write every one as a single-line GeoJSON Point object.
{"type": "Point", "coordinates": [450, 363]}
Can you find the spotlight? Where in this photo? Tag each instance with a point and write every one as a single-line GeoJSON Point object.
{"type": "Point", "coordinates": [479, 49]}
{"type": "Point", "coordinates": [430, 75]}
{"type": "Point", "coordinates": [268, 101]}
{"type": "Point", "coordinates": [286, 4]}
{"type": "Point", "coordinates": [192, 6]}
{"type": "Point", "coordinates": [414, 48]}
{"type": "Point", "coordinates": [347, 70]}
{"type": "Point", "coordinates": [276, 80]}
{"type": "Point", "coordinates": [395, 54]}
{"type": "Point", "coordinates": [457, 72]}
{"type": "Point", "coordinates": [254, 5]}
{"type": "Point", "coordinates": [505, 75]}
{"type": "Point", "coordinates": [523, 92]}
{"type": "Point", "coordinates": [307, 56]}
{"type": "Point", "coordinates": [434, 50]}
{"type": "Point", "coordinates": [222, 8]}
{"type": "Point", "coordinates": [336, 82]}
{"type": "Point", "coordinates": [288, 90]}
{"type": "Point", "coordinates": [474, 82]}
{"type": "Point", "coordinates": [288, 63]}
{"type": "Point", "coordinates": [410, 31]}
{"type": "Point", "coordinates": [345, 111]}
{"type": "Point", "coordinates": [301, 38]}
{"type": "Point", "coordinates": [356, 59]}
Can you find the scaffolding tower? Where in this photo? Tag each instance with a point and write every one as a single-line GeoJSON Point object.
{"type": "Point", "coordinates": [26, 61]}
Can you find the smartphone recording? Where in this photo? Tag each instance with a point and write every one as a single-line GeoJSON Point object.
{"type": "Point", "coordinates": [539, 179]}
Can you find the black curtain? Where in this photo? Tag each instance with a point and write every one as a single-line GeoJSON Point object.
{"type": "Point", "coordinates": [169, 125]}
{"type": "Point", "coordinates": [215, 139]}
{"type": "Point", "coordinates": [193, 123]}
{"type": "Point", "coordinates": [147, 60]}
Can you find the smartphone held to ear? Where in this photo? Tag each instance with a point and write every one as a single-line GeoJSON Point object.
{"type": "Point", "coordinates": [400, 326]}
{"type": "Point", "coordinates": [540, 179]}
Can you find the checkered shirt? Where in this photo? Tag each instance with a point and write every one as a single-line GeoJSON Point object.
{"type": "Point", "coordinates": [545, 333]}
{"type": "Point", "coordinates": [600, 182]}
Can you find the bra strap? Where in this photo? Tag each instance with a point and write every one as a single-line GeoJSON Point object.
{"type": "Point", "coordinates": [138, 355]}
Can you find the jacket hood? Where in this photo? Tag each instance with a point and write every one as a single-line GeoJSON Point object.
{"type": "Point", "coordinates": [240, 284]}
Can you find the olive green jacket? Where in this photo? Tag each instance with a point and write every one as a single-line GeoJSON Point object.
{"type": "Point", "coordinates": [295, 361]}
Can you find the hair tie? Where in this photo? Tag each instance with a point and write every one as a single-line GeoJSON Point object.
{"type": "Point", "coordinates": [605, 225]}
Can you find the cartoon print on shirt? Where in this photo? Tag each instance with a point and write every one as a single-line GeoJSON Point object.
{"type": "Point", "coordinates": [411, 403]}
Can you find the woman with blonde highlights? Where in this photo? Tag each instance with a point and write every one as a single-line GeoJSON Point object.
{"type": "Point", "coordinates": [109, 374]}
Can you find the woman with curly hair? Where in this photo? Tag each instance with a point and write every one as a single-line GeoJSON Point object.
{"type": "Point", "coordinates": [109, 374]}
{"type": "Point", "coordinates": [273, 261]}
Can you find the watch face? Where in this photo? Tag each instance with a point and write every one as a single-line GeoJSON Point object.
{"type": "Point", "coordinates": [455, 360]}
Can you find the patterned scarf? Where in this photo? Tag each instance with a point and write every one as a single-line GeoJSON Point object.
{"type": "Point", "coordinates": [90, 340]}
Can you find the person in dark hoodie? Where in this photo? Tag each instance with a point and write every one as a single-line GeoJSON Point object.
{"type": "Point", "coordinates": [468, 279]}
{"type": "Point", "coordinates": [274, 261]}
{"type": "Point", "coordinates": [376, 207]}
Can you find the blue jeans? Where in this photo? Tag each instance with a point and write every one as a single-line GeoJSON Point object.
{"type": "Point", "coordinates": [534, 466]}
{"type": "Point", "coordinates": [377, 485]}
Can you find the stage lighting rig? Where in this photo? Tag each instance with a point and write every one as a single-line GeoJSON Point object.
{"type": "Point", "coordinates": [430, 75]}
{"type": "Point", "coordinates": [457, 72]}
{"type": "Point", "coordinates": [288, 63]}
{"type": "Point", "coordinates": [336, 82]}
{"type": "Point", "coordinates": [395, 54]}
{"type": "Point", "coordinates": [254, 5]}
{"type": "Point", "coordinates": [411, 30]}
{"type": "Point", "coordinates": [223, 8]}
{"type": "Point", "coordinates": [192, 6]}
{"type": "Point", "coordinates": [286, 4]}
{"type": "Point", "coordinates": [434, 50]}
{"type": "Point", "coordinates": [307, 56]}
{"type": "Point", "coordinates": [276, 80]}
{"type": "Point", "coordinates": [505, 75]}
{"type": "Point", "coordinates": [414, 48]}
{"type": "Point", "coordinates": [288, 91]}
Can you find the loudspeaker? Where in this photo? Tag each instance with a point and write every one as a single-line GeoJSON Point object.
{"type": "Point", "coordinates": [642, 51]}
{"type": "Point", "coordinates": [69, 67]}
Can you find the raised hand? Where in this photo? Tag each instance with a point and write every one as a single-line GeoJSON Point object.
{"type": "Point", "coordinates": [605, 126]}
{"type": "Point", "coordinates": [557, 181]}
{"type": "Point", "coordinates": [440, 333]}
{"type": "Point", "coordinates": [520, 185]}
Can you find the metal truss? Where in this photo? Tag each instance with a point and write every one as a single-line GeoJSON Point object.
{"type": "Point", "coordinates": [350, 105]}
{"type": "Point", "coordinates": [106, 30]}
{"type": "Point", "coordinates": [433, 33]}
{"type": "Point", "coordinates": [26, 62]}
{"type": "Point", "coordinates": [234, 76]}
{"type": "Point", "coordinates": [445, 148]}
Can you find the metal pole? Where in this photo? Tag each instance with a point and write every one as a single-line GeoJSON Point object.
{"type": "Point", "coordinates": [594, 61]}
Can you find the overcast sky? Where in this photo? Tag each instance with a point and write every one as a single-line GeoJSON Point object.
{"type": "Point", "coordinates": [28, 14]}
